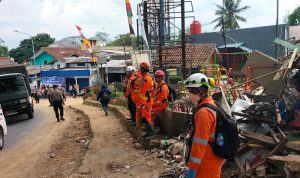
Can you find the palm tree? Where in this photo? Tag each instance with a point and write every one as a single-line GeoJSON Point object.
{"type": "Point", "coordinates": [228, 14]}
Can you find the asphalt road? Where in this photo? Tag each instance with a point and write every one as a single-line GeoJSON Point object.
{"type": "Point", "coordinates": [20, 126]}
{"type": "Point", "coordinates": [28, 140]}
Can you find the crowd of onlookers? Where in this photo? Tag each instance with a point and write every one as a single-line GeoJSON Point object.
{"type": "Point", "coordinates": [44, 91]}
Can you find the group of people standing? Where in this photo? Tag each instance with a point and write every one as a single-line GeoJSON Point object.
{"type": "Point", "coordinates": [146, 97]}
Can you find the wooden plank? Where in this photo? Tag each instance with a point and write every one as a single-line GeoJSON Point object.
{"type": "Point", "coordinates": [277, 148]}
{"type": "Point", "coordinates": [265, 75]}
{"type": "Point", "coordinates": [291, 62]}
{"type": "Point", "coordinates": [289, 158]}
{"type": "Point", "coordinates": [269, 141]}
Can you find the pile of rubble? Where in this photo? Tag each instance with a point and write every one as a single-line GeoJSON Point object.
{"type": "Point", "coordinates": [270, 146]}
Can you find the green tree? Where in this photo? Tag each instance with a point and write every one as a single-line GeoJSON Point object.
{"type": "Point", "coordinates": [3, 49]}
{"type": "Point", "coordinates": [294, 18]}
{"type": "Point", "coordinates": [123, 40]}
{"type": "Point", "coordinates": [102, 37]}
{"type": "Point", "coordinates": [24, 51]}
{"type": "Point", "coordinates": [228, 14]}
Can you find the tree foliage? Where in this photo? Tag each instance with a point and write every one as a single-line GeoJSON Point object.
{"type": "Point", "coordinates": [294, 18]}
{"type": "Point", "coordinates": [3, 49]}
{"type": "Point", "coordinates": [228, 14]}
{"type": "Point", "coordinates": [123, 40]}
{"type": "Point", "coordinates": [24, 51]}
{"type": "Point", "coordinates": [102, 37]}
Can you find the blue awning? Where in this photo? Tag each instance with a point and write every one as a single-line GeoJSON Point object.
{"type": "Point", "coordinates": [66, 73]}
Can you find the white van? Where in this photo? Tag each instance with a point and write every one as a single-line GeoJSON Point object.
{"type": "Point", "coordinates": [3, 128]}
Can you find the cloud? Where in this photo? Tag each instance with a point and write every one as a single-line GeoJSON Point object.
{"type": "Point", "coordinates": [59, 17]}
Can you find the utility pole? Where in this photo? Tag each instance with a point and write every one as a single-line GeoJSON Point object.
{"type": "Point", "coordinates": [31, 42]}
{"type": "Point", "coordinates": [183, 43]}
{"type": "Point", "coordinates": [276, 33]}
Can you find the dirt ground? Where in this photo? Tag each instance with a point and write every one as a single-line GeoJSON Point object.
{"type": "Point", "coordinates": [19, 160]}
{"type": "Point", "coordinates": [87, 144]}
{"type": "Point", "coordinates": [66, 154]}
{"type": "Point", "coordinates": [112, 154]}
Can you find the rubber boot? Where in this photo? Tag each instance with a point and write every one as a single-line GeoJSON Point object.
{"type": "Point", "coordinates": [151, 135]}
{"type": "Point", "coordinates": [147, 131]}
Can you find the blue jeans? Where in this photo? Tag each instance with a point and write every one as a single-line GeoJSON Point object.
{"type": "Point", "coordinates": [105, 107]}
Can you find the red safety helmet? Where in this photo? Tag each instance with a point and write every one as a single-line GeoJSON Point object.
{"type": "Point", "coordinates": [145, 65]}
{"type": "Point", "coordinates": [159, 73]}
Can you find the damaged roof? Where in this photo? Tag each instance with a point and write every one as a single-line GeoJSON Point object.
{"type": "Point", "coordinates": [196, 55]}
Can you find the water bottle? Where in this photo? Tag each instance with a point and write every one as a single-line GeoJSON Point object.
{"type": "Point", "coordinates": [220, 140]}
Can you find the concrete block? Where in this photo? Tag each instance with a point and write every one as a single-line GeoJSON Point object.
{"type": "Point", "coordinates": [173, 123]}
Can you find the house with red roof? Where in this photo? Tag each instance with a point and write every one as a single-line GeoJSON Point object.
{"type": "Point", "coordinates": [48, 55]}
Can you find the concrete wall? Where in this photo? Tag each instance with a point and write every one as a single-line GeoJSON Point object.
{"type": "Point", "coordinates": [173, 123]}
{"type": "Point", "coordinates": [62, 65]}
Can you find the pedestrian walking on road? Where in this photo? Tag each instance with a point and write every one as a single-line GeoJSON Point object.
{"type": "Point", "coordinates": [58, 102]}
{"type": "Point", "coordinates": [104, 96]}
{"type": "Point", "coordinates": [61, 88]}
{"type": "Point", "coordinates": [49, 91]}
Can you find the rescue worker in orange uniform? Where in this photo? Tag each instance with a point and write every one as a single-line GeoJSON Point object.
{"type": "Point", "coordinates": [161, 94]}
{"type": "Point", "coordinates": [135, 89]}
{"type": "Point", "coordinates": [202, 160]}
{"type": "Point", "coordinates": [146, 90]}
{"type": "Point", "coordinates": [130, 104]}
{"type": "Point", "coordinates": [125, 81]}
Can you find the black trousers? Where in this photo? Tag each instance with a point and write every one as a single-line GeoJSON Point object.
{"type": "Point", "coordinates": [58, 105]}
{"type": "Point", "coordinates": [131, 107]}
{"type": "Point", "coordinates": [37, 98]}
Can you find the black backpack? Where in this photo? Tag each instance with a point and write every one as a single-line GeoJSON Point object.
{"type": "Point", "coordinates": [227, 126]}
{"type": "Point", "coordinates": [172, 93]}
{"type": "Point", "coordinates": [107, 95]}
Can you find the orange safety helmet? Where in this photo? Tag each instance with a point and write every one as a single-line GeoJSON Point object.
{"type": "Point", "coordinates": [159, 73]}
{"type": "Point", "coordinates": [145, 65]}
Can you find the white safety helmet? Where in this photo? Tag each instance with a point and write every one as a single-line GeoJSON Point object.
{"type": "Point", "coordinates": [129, 69]}
{"type": "Point", "coordinates": [196, 80]}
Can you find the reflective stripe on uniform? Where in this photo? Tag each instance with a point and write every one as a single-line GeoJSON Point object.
{"type": "Point", "coordinates": [200, 141]}
{"type": "Point", "coordinates": [212, 135]}
{"type": "Point", "coordinates": [196, 160]}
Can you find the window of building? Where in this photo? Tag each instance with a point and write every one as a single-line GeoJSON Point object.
{"type": "Point", "coordinates": [45, 62]}
{"type": "Point", "coordinates": [58, 66]}
{"type": "Point", "coordinates": [80, 64]}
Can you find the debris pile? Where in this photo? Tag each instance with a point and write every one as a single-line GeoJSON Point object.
{"type": "Point", "coordinates": [270, 144]}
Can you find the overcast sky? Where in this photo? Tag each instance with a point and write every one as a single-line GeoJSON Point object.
{"type": "Point", "coordinates": [59, 17]}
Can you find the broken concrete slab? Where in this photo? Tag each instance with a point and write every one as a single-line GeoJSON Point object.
{"type": "Point", "coordinates": [177, 148]}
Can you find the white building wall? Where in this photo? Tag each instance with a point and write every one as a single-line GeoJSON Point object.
{"type": "Point", "coordinates": [56, 63]}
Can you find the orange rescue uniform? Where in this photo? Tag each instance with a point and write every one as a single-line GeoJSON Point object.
{"type": "Point", "coordinates": [161, 98]}
{"type": "Point", "coordinates": [125, 84]}
{"type": "Point", "coordinates": [132, 77]}
{"type": "Point", "coordinates": [135, 84]}
{"type": "Point", "coordinates": [146, 89]}
{"type": "Point", "coordinates": [202, 158]}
